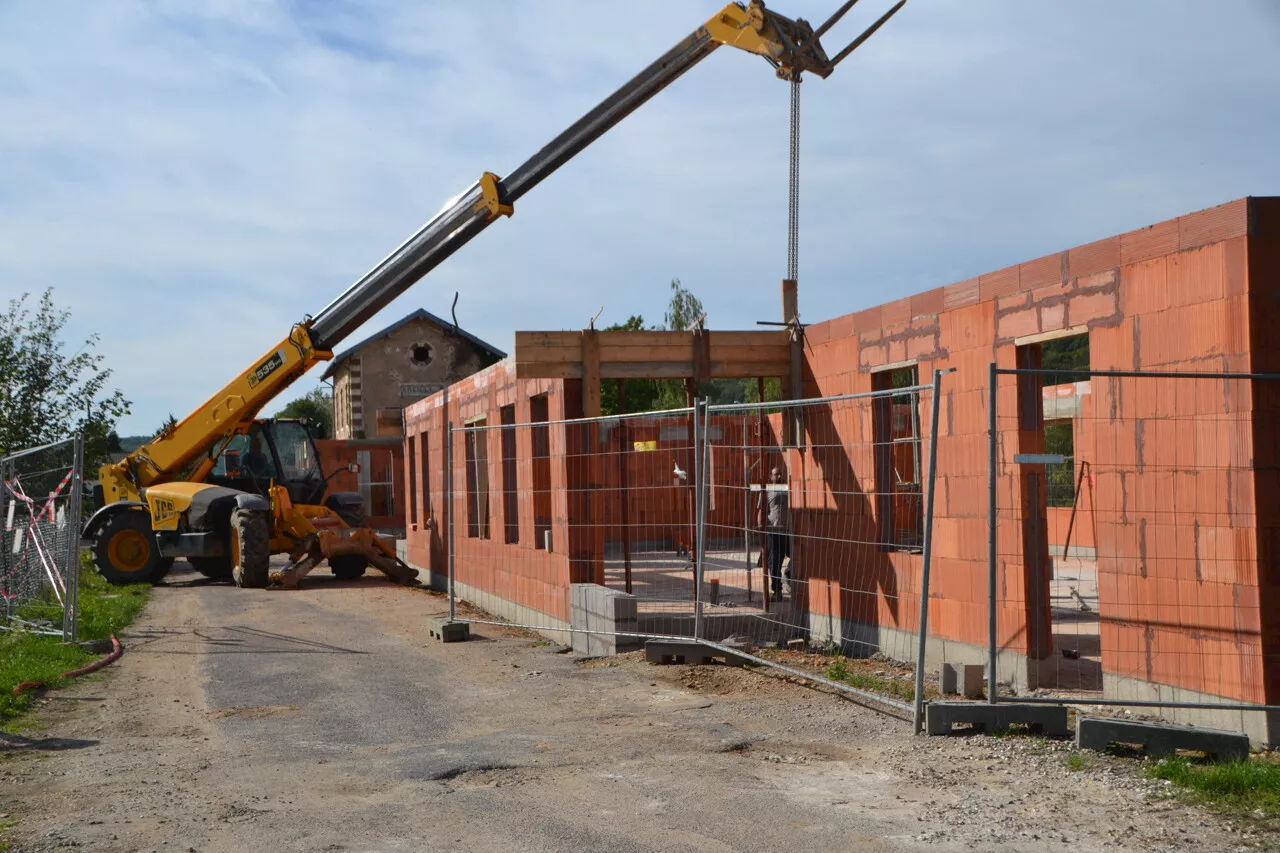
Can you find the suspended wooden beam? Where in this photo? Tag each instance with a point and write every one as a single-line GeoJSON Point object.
{"type": "Point", "coordinates": [653, 355]}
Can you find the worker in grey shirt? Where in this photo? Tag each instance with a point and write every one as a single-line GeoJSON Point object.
{"type": "Point", "coordinates": [777, 504]}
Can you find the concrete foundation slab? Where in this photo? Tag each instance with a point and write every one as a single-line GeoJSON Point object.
{"type": "Point", "coordinates": [691, 652]}
{"type": "Point", "coordinates": [449, 632]}
{"type": "Point", "coordinates": [1048, 720]}
{"type": "Point", "coordinates": [1160, 739]}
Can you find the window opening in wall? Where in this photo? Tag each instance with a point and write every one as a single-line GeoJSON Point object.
{"type": "Point", "coordinates": [425, 456]}
{"type": "Point", "coordinates": [413, 484]}
{"type": "Point", "coordinates": [477, 481]}
{"type": "Point", "coordinates": [1059, 439]}
{"type": "Point", "coordinates": [899, 494]}
{"type": "Point", "coordinates": [377, 482]}
{"type": "Point", "coordinates": [541, 466]}
{"type": "Point", "coordinates": [421, 354]}
{"type": "Point", "coordinates": [1065, 354]}
{"type": "Point", "coordinates": [510, 493]}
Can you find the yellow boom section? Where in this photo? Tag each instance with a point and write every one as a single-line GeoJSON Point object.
{"type": "Point", "coordinates": [231, 410]}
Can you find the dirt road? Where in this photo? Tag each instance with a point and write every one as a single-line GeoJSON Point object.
{"type": "Point", "coordinates": [327, 719]}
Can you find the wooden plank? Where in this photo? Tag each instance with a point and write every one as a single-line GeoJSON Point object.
{"type": "Point", "coordinates": [749, 369]}
{"type": "Point", "coordinates": [779, 351]}
{"type": "Point", "coordinates": [646, 339]}
{"type": "Point", "coordinates": [640, 353]}
{"type": "Point", "coordinates": [551, 354]}
{"type": "Point", "coordinates": [536, 370]}
{"type": "Point", "coordinates": [541, 339]}
{"type": "Point", "coordinates": [646, 369]}
{"type": "Point", "coordinates": [749, 339]}
{"type": "Point", "coordinates": [590, 373]}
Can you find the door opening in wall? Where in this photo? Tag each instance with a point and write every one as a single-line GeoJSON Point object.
{"type": "Point", "coordinates": [477, 460]}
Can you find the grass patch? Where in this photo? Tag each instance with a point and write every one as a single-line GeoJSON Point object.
{"type": "Point", "coordinates": [839, 670]}
{"type": "Point", "coordinates": [1078, 761]}
{"type": "Point", "coordinates": [104, 609]}
{"type": "Point", "coordinates": [1244, 786]}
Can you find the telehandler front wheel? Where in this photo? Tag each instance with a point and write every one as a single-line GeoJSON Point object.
{"type": "Point", "coordinates": [250, 542]}
{"type": "Point", "coordinates": [125, 550]}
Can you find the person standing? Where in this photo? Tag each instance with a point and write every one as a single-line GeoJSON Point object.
{"type": "Point", "coordinates": [777, 504]}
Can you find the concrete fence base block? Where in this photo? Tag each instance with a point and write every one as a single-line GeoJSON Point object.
{"type": "Point", "coordinates": [1160, 739]}
{"type": "Point", "coordinates": [1048, 720]}
{"type": "Point", "coordinates": [449, 632]}
{"type": "Point", "coordinates": [963, 679]}
{"type": "Point", "coordinates": [691, 653]}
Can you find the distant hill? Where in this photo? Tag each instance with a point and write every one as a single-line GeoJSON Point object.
{"type": "Point", "coordinates": [130, 443]}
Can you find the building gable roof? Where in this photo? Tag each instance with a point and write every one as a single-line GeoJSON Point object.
{"type": "Point", "coordinates": [420, 314]}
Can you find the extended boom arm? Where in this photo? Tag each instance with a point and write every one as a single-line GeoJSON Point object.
{"type": "Point", "coordinates": [791, 46]}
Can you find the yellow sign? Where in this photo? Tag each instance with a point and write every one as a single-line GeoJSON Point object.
{"type": "Point", "coordinates": [645, 446]}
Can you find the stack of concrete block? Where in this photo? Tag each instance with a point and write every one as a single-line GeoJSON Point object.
{"type": "Point", "coordinates": [964, 679]}
{"type": "Point", "coordinates": [604, 612]}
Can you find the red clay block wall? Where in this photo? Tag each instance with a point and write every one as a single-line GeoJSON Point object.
{"type": "Point", "coordinates": [1174, 296]}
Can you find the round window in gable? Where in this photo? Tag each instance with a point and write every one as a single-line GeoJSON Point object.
{"type": "Point", "coordinates": [421, 354]}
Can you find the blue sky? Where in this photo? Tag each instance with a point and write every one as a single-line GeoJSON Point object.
{"type": "Point", "coordinates": [192, 177]}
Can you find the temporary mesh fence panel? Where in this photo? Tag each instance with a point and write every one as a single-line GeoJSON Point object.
{"type": "Point", "coordinates": [1133, 531]}
{"type": "Point", "coordinates": [40, 496]}
{"type": "Point", "coordinates": [821, 541]}
{"type": "Point", "coordinates": [542, 512]}
{"type": "Point", "coordinates": [703, 523]}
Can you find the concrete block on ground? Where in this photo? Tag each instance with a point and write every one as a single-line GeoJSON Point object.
{"type": "Point", "coordinates": [598, 616]}
{"type": "Point", "coordinates": [688, 652]}
{"type": "Point", "coordinates": [1048, 720]}
{"type": "Point", "coordinates": [964, 679]}
{"type": "Point", "coordinates": [449, 632]}
{"type": "Point", "coordinates": [1160, 739]}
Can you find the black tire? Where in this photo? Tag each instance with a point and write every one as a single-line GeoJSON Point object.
{"type": "Point", "coordinates": [350, 566]}
{"type": "Point", "coordinates": [166, 563]}
{"type": "Point", "coordinates": [250, 548]}
{"type": "Point", "coordinates": [216, 568]}
{"type": "Point", "coordinates": [125, 550]}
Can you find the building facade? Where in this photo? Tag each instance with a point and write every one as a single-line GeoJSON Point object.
{"type": "Point", "coordinates": [412, 358]}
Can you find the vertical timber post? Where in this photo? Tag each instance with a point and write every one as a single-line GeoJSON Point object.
{"type": "Point", "coordinates": [71, 602]}
{"type": "Point", "coordinates": [927, 558]}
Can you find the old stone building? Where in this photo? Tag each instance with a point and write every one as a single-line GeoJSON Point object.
{"type": "Point", "coordinates": [412, 358]}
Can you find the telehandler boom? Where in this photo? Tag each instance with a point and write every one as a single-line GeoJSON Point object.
{"type": "Point", "coordinates": [225, 490]}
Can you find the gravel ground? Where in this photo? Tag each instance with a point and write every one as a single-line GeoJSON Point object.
{"type": "Point", "coordinates": [327, 719]}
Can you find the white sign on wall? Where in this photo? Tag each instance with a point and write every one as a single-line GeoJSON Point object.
{"type": "Point", "coordinates": [419, 389]}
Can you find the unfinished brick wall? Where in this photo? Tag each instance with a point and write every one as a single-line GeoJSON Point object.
{"type": "Point", "coordinates": [1174, 296]}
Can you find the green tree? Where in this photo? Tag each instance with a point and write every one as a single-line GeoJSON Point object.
{"type": "Point", "coordinates": [49, 392]}
{"type": "Point", "coordinates": [169, 423]}
{"type": "Point", "coordinates": [316, 407]}
{"type": "Point", "coordinates": [683, 310]}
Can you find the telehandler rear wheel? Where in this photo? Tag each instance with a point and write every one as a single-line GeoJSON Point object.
{"type": "Point", "coordinates": [350, 566]}
{"type": "Point", "coordinates": [250, 542]}
{"type": "Point", "coordinates": [125, 550]}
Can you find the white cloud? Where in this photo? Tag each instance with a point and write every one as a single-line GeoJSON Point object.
{"type": "Point", "coordinates": [194, 177]}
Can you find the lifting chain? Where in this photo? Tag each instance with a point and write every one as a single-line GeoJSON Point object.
{"type": "Point", "coordinates": [793, 199]}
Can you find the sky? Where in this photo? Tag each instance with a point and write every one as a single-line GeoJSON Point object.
{"type": "Point", "coordinates": [194, 176]}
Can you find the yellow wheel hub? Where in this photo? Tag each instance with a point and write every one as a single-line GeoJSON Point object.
{"type": "Point", "coordinates": [129, 550]}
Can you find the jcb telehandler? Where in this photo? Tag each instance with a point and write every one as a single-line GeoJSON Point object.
{"type": "Point", "coordinates": [226, 491]}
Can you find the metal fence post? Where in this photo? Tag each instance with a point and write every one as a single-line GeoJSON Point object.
{"type": "Point", "coordinates": [450, 513]}
{"type": "Point", "coordinates": [927, 557]}
{"type": "Point", "coordinates": [993, 452]}
{"type": "Point", "coordinates": [700, 412]}
{"type": "Point", "coordinates": [71, 576]}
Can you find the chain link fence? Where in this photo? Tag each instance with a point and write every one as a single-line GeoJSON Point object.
{"type": "Point", "coordinates": [40, 508]}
